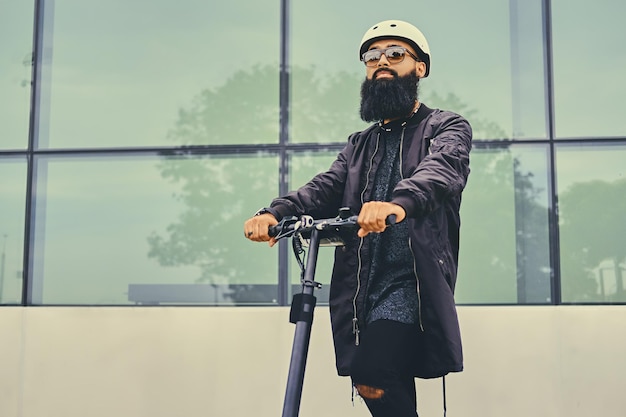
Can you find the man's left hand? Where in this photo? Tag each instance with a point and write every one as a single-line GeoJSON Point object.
{"type": "Point", "coordinates": [373, 216]}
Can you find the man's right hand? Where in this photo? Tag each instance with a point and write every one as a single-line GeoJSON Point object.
{"type": "Point", "coordinates": [256, 228]}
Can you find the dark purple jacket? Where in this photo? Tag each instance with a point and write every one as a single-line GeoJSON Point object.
{"type": "Point", "coordinates": [435, 151]}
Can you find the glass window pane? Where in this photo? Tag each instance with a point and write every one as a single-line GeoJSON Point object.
{"type": "Point", "coordinates": [504, 254]}
{"type": "Point", "coordinates": [149, 230]}
{"type": "Point", "coordinates": [16, 43]}
{"type": "Point", "coordinates": [304, 167]}
{"type": "Point", "coordinates": [12, 209]}
{"type": "Point", "coordinates": [493, 77]}
{"type": "Point", "coordinates": [592, 210]}
{"type": "Point", "coordinates": [160, 73]}
{"type": "Point", "coordinates": [589, 62]}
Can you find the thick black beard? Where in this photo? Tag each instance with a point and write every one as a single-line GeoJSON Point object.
{"type": "Point", "coordinates": [388, 98]}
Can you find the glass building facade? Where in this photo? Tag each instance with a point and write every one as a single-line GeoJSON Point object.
{"type": "Point", "coordinates": [137, 137]}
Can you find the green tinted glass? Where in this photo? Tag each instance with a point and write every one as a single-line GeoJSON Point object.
{"type": "Point", "coordinates": [12, 208]}
{"type": "Point", "coordinates": [592, 206]}
{"type": "Point", "coordinates": [16, 42]}
{"type": "Point", "coordinates": [500, 92]}
{"type": "Point", "coordinates": [160, 73]}
{"type": "Point", "coordinates": [589, 61]}
{"type": "Point", "coordinates": [504, 254]}
{"type": "Point", "coordinates": [123, 230]}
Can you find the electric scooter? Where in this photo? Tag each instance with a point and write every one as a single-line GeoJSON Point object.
{"type": "Point", "coordinates": [306, 231]}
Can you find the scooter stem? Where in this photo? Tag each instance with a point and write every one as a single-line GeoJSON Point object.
{"type": "Point", "coordinates": [302, 336]}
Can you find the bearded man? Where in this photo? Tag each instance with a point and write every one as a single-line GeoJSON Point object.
{"type": "Point", "coordinates": [392, 289]}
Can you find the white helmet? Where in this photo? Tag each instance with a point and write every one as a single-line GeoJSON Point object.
{"type": "Point", "coordinates": [397, 29]}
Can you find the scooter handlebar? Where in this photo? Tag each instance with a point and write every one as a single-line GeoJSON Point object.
{"type": "Point", "coordinates": [288, 225]}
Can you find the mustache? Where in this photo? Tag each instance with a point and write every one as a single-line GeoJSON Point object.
{"type": "Point", "coordinates": [389, 70]}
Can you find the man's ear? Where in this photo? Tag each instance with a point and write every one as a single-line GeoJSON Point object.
{"type": "Point", "coordinates": [420, 68]}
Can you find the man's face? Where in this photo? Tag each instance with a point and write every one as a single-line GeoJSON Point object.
{"type": "Point", "coordinates": [407, 66]}
{"type": "Point", "coordinates": [390, 90]}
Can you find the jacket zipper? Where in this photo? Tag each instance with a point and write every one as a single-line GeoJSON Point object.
{"type": "Point", "coordinates": [419, 297]}
{"type": "Point", "coordinates": [355, 319]}
{"type": "Point", "coordinates": [417, 280]}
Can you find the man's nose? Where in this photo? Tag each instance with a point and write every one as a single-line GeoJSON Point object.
{"type": "Point", "coordinates": [383, 62]}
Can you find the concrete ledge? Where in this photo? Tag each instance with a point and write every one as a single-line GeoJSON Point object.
{"type": "Point", "coordinates": [232, 361]}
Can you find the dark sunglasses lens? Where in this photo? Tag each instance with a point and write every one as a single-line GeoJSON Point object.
{"type": "Point", "coordinates": [371, 57]}
{"type": "Point", "coordinates": [394, 55]}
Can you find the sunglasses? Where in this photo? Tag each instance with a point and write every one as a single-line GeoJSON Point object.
{"type": "Point", "coordinates": [394, 54]}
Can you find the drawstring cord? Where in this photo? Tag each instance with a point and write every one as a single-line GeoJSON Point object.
{"type": "Point", "coordinates": [444, 396]}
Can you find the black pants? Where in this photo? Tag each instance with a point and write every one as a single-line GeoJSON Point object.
{"type": "Point", "coordinates": [383, 360]}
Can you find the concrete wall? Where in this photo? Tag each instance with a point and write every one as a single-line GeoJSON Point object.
{"type": "Point", "coordinates": [198, 361]}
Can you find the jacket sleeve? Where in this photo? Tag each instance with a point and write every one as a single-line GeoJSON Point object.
{"type": "Point", "coordinates": [322, 195]}
{"type": "Point", "coordinates": [443, 172]}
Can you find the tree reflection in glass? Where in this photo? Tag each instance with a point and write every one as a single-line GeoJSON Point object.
{"type": "Point", "coordinates": [219, 192]}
